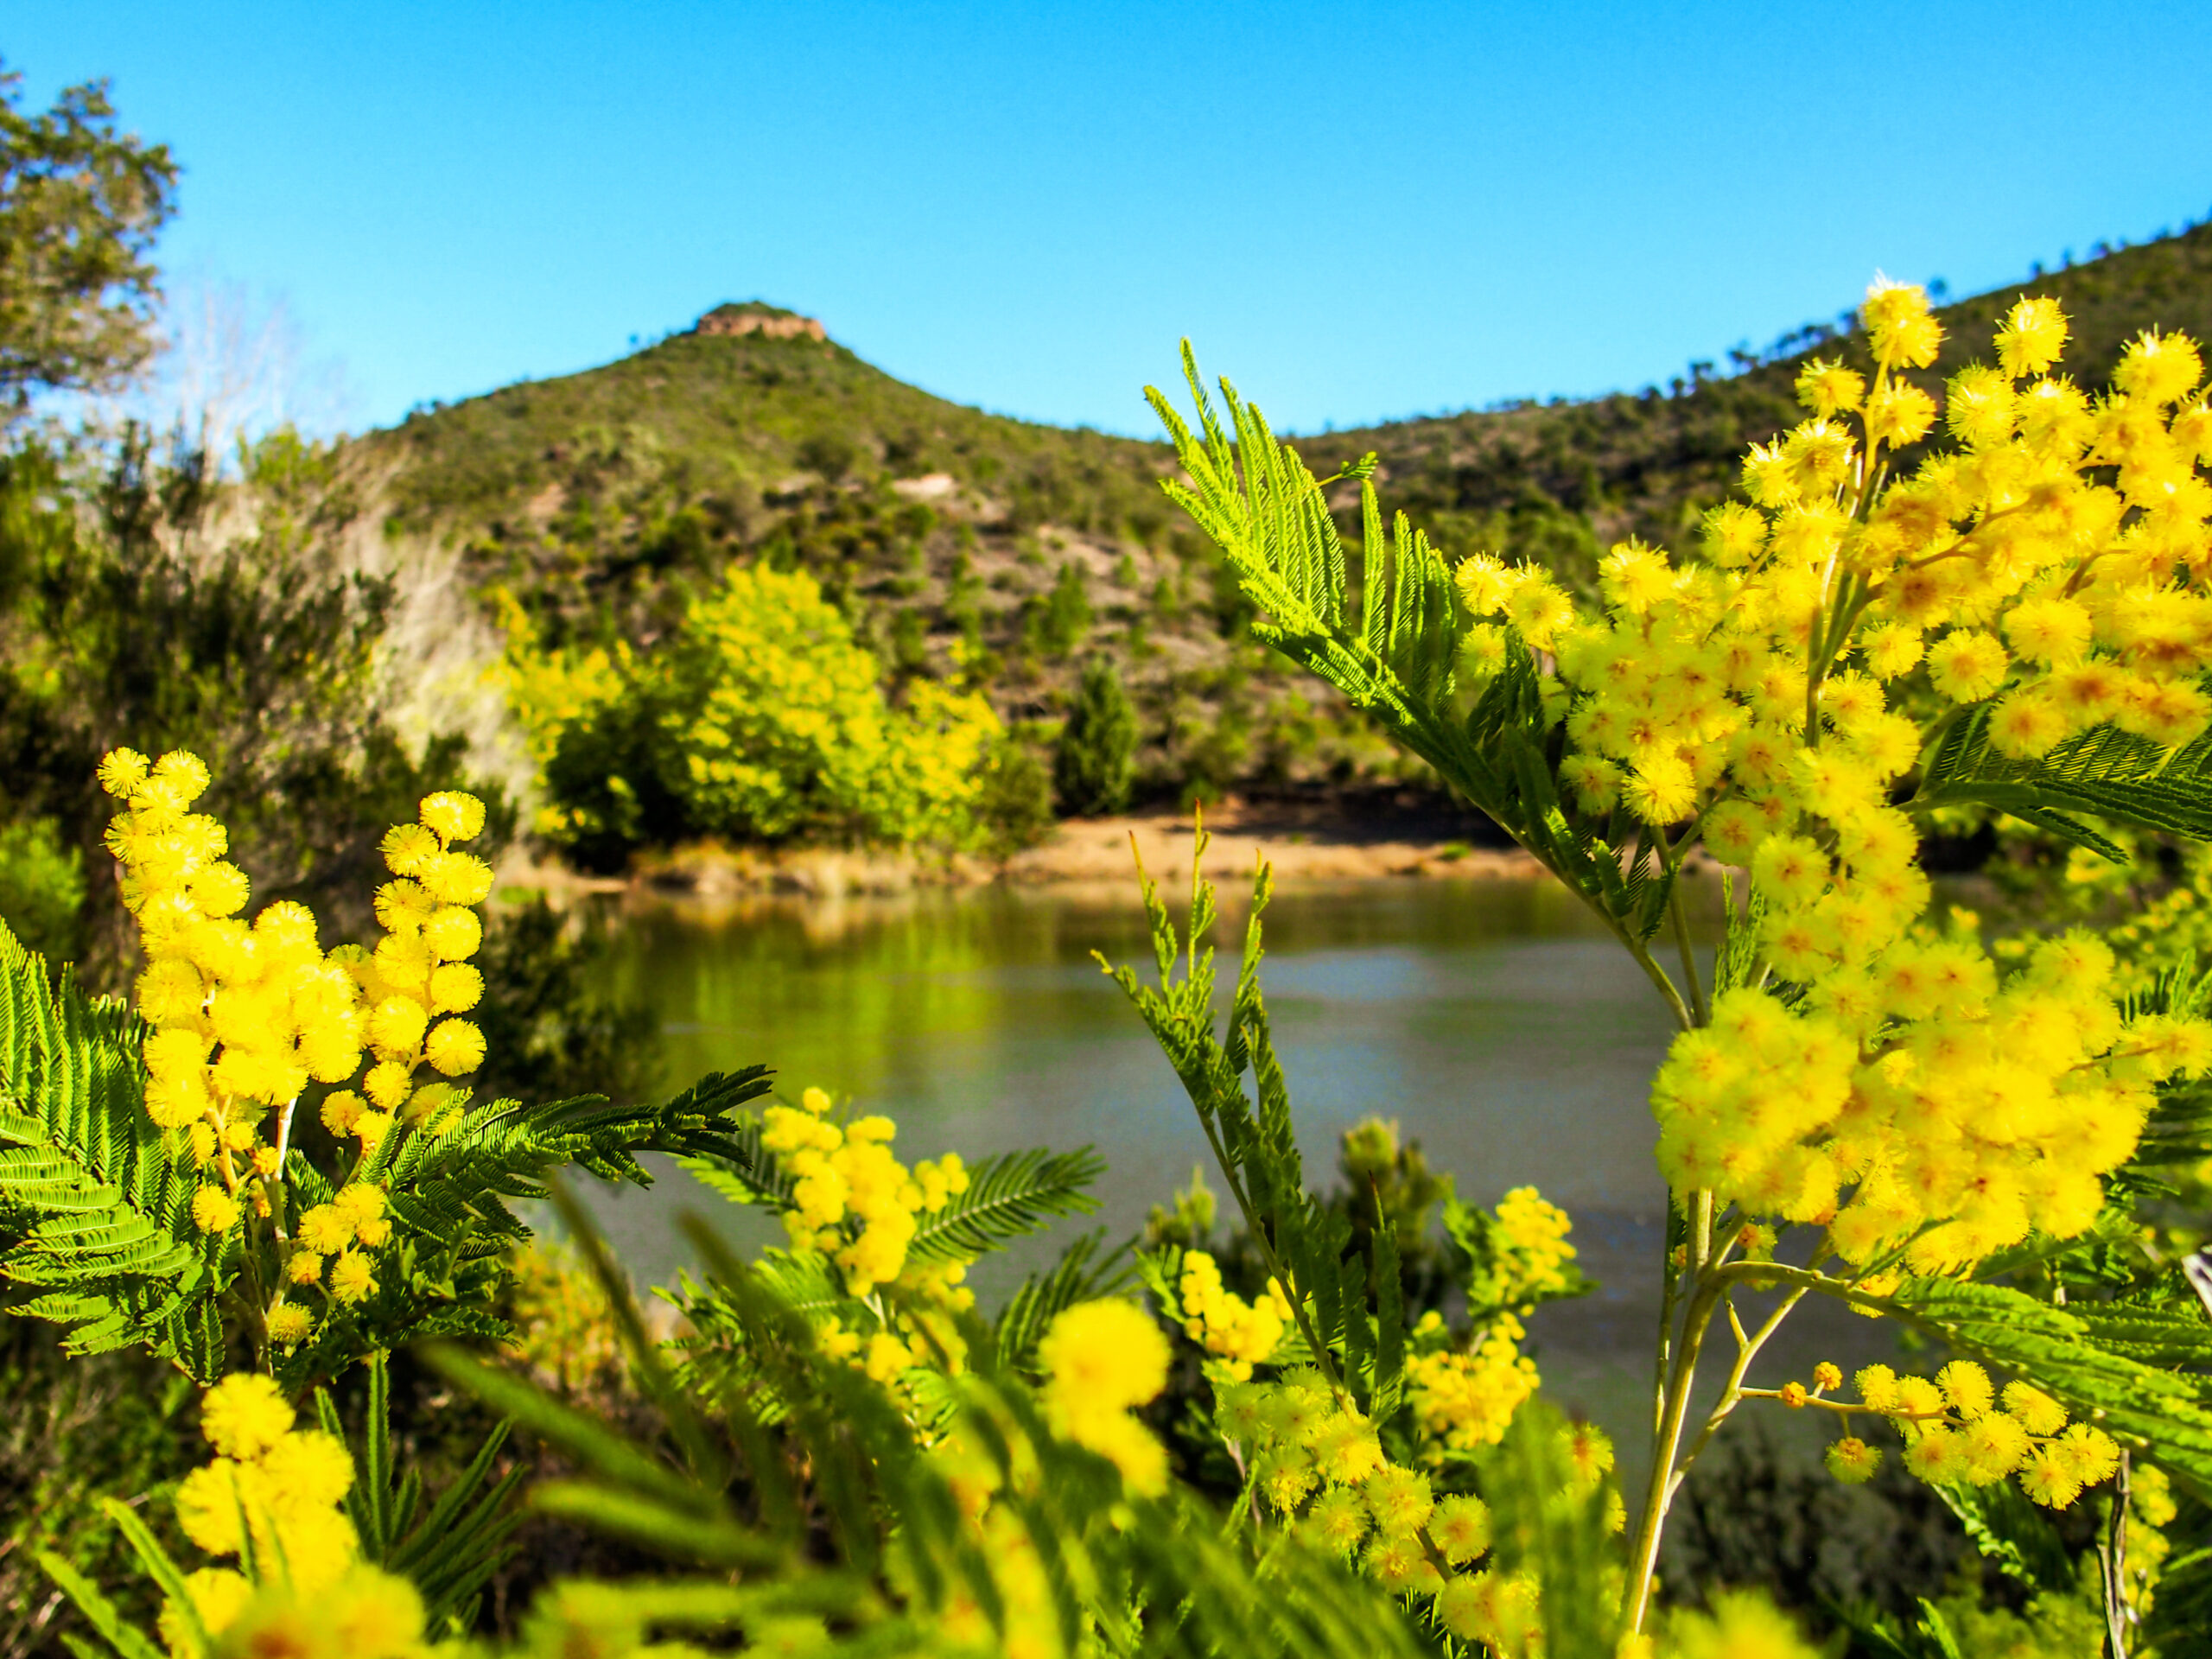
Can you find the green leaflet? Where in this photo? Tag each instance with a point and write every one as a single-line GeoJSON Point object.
{"type": "Point", "coordinates": [1009, 1196]}
{"type": "Point", "coordinates": [94, 1199]}
{"type": "Point", "coordinates": [2009, 1530]}
{"type": "Point", "coordinates": [1256, 1144]}
{"type": "Point", "coordinates": [2105, 773]}
{"type": "Point", "coordinates": [1081, 1274]}
{"type": "Point", "coordinates": [449, 1553]}
{"type": "Point", "coordinates": [1256, 499]}
{"type": "Point", "coordinates": [124, 1637]}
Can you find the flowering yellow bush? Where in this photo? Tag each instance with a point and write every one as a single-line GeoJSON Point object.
{"type": "Point", "coordinates": [245, 1016]}
{"type": "Point", "coordinates": [763, 718]}
{"type": "Point", "coordinates": [269, 1498]}
{"type": "Point", "coordinates": [1911, 1099]}
{"type": "Point", "coordinates": [1872, 1074]}
{"type": "Point", "coordinates": [1994, 601]}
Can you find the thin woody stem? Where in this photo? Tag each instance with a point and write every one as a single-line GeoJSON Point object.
{"type": "Point", "coordinates": [1659, 1490]}
{"type": "Point", "coordinates": [1732, 1391]}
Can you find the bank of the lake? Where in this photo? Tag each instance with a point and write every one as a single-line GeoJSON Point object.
{"type": "Point", "coordinates": [1308, 841]}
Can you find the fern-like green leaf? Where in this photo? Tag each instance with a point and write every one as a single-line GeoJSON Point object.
{"type": "Point", "coordinates": [128, 1641]}
{"type": "Point", "coordinates": [450, 1190]}
{"type": "Point", "coordinates": [94, 1199]}
{"type": "Point", "coordinates": [1009, 1196]}
{"type": "Point", "coordinates": [2104, 772]}
{"type": "Point", "coordinates": [1253, 496]}
{"type": "Point", "coordinates": [2009, 1530]}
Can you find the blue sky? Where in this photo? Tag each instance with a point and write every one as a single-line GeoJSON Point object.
{"type": "Point", "coordinates": [1355, 211]}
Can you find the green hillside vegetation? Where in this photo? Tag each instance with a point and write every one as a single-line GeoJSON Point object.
{"type": "Point", "coordinates": [1561, 481]}
{"type": "Point", "coordinates": [958, 542]}
{"type": "Point", "coordinates": [1003, 553]}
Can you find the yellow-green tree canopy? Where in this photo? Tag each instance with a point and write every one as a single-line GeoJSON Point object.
{"type": "Point", "coordinates": [765, 719]}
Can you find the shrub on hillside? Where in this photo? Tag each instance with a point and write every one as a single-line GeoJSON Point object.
{"type": "Point", "coordinates": [763, 718]}
{"type": "Point", "coordinates": [1095, 758]}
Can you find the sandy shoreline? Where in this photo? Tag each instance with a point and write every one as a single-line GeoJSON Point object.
{"type": "Point", "coordinates": [1317, 843]}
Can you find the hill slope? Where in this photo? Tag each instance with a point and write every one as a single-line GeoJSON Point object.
{"type": "Point", "coordinates": [598, 499]}
{"type": "Point", "coordinates": [601, 499]}
{"type": "Point", "coordinates": [1566, 478]}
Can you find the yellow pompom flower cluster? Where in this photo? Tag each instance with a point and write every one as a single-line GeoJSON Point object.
{"type": "Point", "coordinates": [1536, 1254]}
{"type": "Point", "coordinates": [2051, 566]}
{"type": "Point", "coordinates": [1298, 1437]}
{"type": "Point", "coordinates": [366, 1614]}
{"type": "Point", "coordinates": [1239, 1333]}
{"type": "Point", "coordinates": [1501, 1611]}
{"type": "Point", "coordinates": [1959, 1112]}
{"type": "Point", "coordinates": [419, 981]}
{"type": "Point", "coordinates": [278, 1488]}
{"type": "Point", "coordinates": [851, 1199]}
{"type": "Point", "coordinates": [1957, 1427]}
{"type": "Point", "coordinates": [1320, 1466]}
{"type": "Point", "coordinates": [916, 1327]}
{"type": "Point", "coordinates": [1466, 1399]}
{"type": "Point", "coordinates": [352, 1223]}
{"type": "Point", "coordinates": [1102, 1359]}
{"type": "Point", "coordinates": [243, 1015]}
{"type": "Point", "coordinates": [1407, 1536]}
{"type": "Point", "coordinates": [269, 1482]}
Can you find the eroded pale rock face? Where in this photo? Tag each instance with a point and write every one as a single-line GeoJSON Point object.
{"type": "Point", "coordinates": [754, 318]}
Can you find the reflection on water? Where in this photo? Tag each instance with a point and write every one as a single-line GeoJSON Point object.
{"type": "Point", "coordinates": [1494, 1019]}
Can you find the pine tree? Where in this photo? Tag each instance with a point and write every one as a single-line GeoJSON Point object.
{"type": "Point", "coordinates": [1095, 762]}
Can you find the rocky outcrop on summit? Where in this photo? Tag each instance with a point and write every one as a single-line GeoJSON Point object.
{"type": "Point", "coordinates": [756, 318]}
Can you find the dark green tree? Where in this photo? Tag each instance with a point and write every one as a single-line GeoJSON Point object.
{"type": "Point", "coordinates": [1096, 759]}
{"type": "Point", "coordinates": [1056, 621]}
{"type": "Point", "coordinates": [81, 204]}
{"type": "Point", "coordinates": [260, 660]}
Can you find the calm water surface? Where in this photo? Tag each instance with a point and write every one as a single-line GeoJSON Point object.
{"type": "Point", "coordinates": [1495, 1020]}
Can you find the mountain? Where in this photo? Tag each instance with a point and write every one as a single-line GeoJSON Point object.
{"type": "Point", "coordinates": [598, 499]}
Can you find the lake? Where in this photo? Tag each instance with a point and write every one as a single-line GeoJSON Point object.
{"type": "Point", "coordinates": [1494, 1019]}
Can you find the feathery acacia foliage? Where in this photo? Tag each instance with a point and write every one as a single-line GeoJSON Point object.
{"type": "Point", "coordinates": [94, 1200]}
{"type": "Point", "coordinates": [97, 1200]}
{"type": "Point", "coordinates": [890, 1563]}
{"type": "Point", "coordinates": [1861, 649]}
